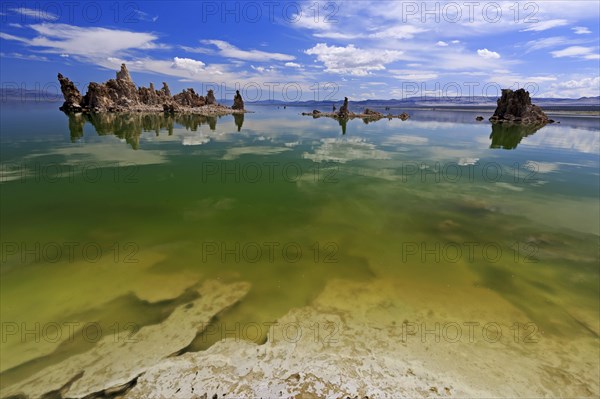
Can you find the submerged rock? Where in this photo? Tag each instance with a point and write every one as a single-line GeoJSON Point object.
{"type": "Point", "coordinates": [479, 118]}
{"type": "Point", "coordinates": [370, 342]}
{"type": "Point", "coordinates": [116, 360]}
{"type": "Point", "coordinates": [516, 107]}
{"type": "Point", "coordinates": [404, 116]}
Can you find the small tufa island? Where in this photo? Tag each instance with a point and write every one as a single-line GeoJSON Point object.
{"type": "Point", "coordinates": [516, 107]}
{"type": "Point", "coordinates": [513, 107]}
{"type": "Point", "coordinates": [122, 95]}
{"type": "Point", "coordinates": [344, 113]}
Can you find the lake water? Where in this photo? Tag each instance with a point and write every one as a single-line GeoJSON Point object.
{"type": "Point", "coordinates": [107, 220]}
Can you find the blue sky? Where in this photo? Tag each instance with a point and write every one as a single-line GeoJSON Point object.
{"type": "Point", "coordinates": [304, 50]}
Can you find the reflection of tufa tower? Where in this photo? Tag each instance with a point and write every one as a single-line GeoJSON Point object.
{"type": "Point", "coordinates": [130, 126]}
{"type": "Point", "coordinates": [239, 120]}
{"type": "Point", "coordinates": [343, 122]}
{"type": "Point", "coordinates": [509, 136]}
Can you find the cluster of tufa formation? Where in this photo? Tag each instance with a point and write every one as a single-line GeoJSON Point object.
{"type": "Point", "coordinates": [516, 107]}
{"type": "Point", "coordinates": [368, 115]}
{"type": "Point", "coordinates": [121, 94]}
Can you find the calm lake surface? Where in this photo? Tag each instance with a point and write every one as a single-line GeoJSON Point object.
{"type": "Point", "coordinates": [106, 220]}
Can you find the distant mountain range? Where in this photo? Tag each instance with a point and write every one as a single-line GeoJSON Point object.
{"type": "Point", "coordinates": [11, 94]}
{"type": "Point", "coordinates": [417, 102]}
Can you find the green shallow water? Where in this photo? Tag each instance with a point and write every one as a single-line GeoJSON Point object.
{"type": "Point", "coordinates": [152, 205]}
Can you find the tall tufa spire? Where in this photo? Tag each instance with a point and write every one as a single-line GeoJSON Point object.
{"type": "Point", "coordinates": [123, 74]}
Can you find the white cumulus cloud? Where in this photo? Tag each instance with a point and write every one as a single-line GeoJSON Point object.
{"type": "Point", "coordinates": [576, 88]}
{"type": "Point", "coordinates": [352, 60]}
{"type": "Point", "coordinates": [487, 54]}
{"type": "Point", "coordinates": [188, 64]}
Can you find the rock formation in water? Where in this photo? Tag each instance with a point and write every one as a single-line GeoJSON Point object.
{"type": "Point", "coordinates": [238, 102]}
{"type": "Point", "coordinates": [123, 74]}
{"type": "Point", "coordinates": [114, 95]}
{"type": "Point", "coordinates": [171, 107]}
{"type": "Point", "coordinates": [189, 98]}
{"type": "Point", "coordinates": [97, 98]}
{"type": "Point", "coordinates": [516, 107]}
{"type": "Point", "coordinates": [151, 96]}
{"type": "Point", "coordinates": [121, 94]}
{"type": "Point", "coordinates": [148, 95]}
{"type": "Point", "coordinates": [70, 93]}
{"type": "Point", "coordinates": [165, 90]}
{"type": "Point", "coordinates": [372, 113]}
{"type": "Point", "coordinates": [210, 98]}
{"type": "Point", "coordinates": [344, 114]}
{"type": "Point", "coordinates": [344, 109]}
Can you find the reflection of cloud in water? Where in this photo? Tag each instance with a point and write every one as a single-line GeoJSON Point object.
{"type": "Point", "coordinates": [104, 153]}
{"type": "Point", "coordinates": [434, 125]}
{"type": "Point", "coordinates": [509, 186]}
{"type": "Point", "coordinates": [541, 167]}
{"type": "Point", "coordinates": [434, 154]}
{"type": "Point", "coordinates": [567, 138]}
{"type": "Point", "coordinates": [468, 161]}
{"type": "Point", "coordinates": [345, 150]}
{"type": "Point", "coordinates": [195, 140]}
{"type": "Point", "coordinates": [402, 139]}
{"type": "Point", "coordinates": [236, 152]}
